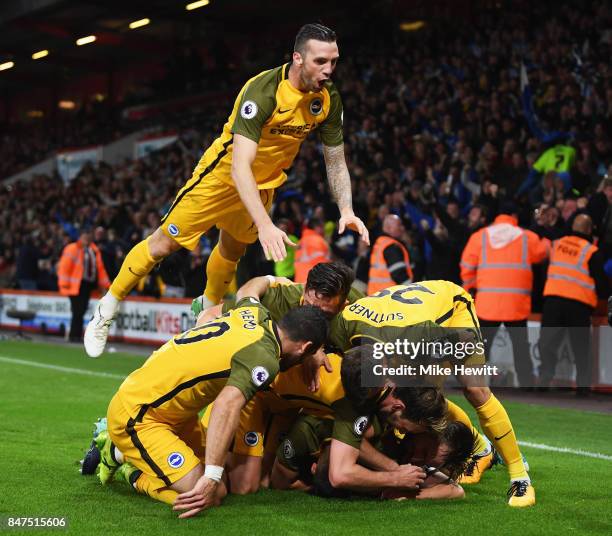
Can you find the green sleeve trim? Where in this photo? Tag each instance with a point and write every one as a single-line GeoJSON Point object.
{"type": "Point", "coordinates": [257, 104]}
{"type": "Point", "coordinates": [331, 129]}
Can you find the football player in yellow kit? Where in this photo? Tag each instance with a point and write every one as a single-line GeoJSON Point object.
{"type": "Point", "coordinates": [384, 316]}
{"type": "Point", "coordinates": [154, 436]}
{"type": "Point", "coordinates": [233, 185]}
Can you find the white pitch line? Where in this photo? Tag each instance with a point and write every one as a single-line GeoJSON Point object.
{"type": "Point", "coordinates": [577, 452]}
{"type": "Point", "coordinates": [69, 370]}
{"type": "Point", "coordinates": [84, 372]}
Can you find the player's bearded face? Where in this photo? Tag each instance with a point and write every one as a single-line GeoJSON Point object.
{"type": "Point", "coordinates": [294, 353]}
{"type": "Point", "coordinates": [391, 409]}
{"type": "Point", "coordinates": [318, 64]}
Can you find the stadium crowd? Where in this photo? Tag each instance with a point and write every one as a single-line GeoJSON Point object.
{"type": "Point", "coordinates": [436, 131]}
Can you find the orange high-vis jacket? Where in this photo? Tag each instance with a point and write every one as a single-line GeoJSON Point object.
{"type": "Point", "coordinates": [496, 262]}
{"type": "Point", "coordinates": [380, 274]}
{"type": "Point", "coordinates": [70, 269]}
{"type": "Point", "coordinates": [312, 250]}
{"type": "Point", "coordinates": [568, 271]}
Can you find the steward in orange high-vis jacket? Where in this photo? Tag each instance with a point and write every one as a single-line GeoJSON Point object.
{"type": "Point", "coordinates": [576, 279]}
{"type": "Point", "coordinates": [496, 266]}
{"type": "Point", "coordinates": [80, 271]}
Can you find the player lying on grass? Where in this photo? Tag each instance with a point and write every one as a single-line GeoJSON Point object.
{"type": "Point", "coordinates": [272, 412]}
{"type": "Point", "coordinates": [328, 287]}
{"type": "Point", "coordinates": [302, 459]}
{"type": "Point", "coordinates": [386, 316]}
{"type": "Point", "coordinates": [155, 439]}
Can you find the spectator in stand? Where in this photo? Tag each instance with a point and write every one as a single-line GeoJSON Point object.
{"type": "Point", "coordinates": [389, 260]}
{"type": "Point", "coordinates": [286, 267]}
{"type": "Point", "coordinates": [27, 264]}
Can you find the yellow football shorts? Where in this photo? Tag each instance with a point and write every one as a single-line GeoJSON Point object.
{"type": "Point", "coordinates": [162, 451]}
{"type": "Point", "coordinates": [262, 425]}
{"type": "Point", "coordinates": [205, 201]}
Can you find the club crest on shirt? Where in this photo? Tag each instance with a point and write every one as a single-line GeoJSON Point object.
{"type": "Point", "coordinates": [316, 106]}
{"type": "Point", "coordinates": [251, 439]}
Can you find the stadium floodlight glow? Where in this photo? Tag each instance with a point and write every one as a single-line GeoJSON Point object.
{"type": "Point", "coordinates": [66, 105]}
{"type": "Point", "coordinates": [412, 26]}
{"type": "Point", "coordinates": [85, 40]}
{"type": "Point", "coordinates": [196, 5]}
{"type": "Point", "coordinates": [40, 54]}
{"type": "Point", "coordinates": [6, 65]}
{"type": "Point", "coordinates": [138, 23]}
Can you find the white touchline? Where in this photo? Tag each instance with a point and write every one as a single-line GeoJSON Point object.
{"type": "Point", "coordinates": [85, 372]}
{"type": "Point", "coordinates": [69, 370]}
{"type": "Point", "coordinates": [577, 452]}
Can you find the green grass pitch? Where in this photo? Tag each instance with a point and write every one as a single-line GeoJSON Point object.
{"type": "Point", "coordinates": [46, 417]}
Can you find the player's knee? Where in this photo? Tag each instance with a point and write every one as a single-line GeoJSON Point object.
{"type": "Point", "coordinates": [477, 396]}
{"type": "Point", "coordinates": [244, 486]}
{"type": "Point", "coordinates": [229, 247]}
{"type": "Point", "coordinates": [161, 245]}
{"type": "Point", "coordinates": [187, 482]}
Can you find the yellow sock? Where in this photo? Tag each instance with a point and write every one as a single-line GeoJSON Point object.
{"type": "Point", "coordinates": [150, 486]}
{"type": "Point", "coordinates": [136, 265]}
{"type": "Point", "coordinates": [219, 273]}
{"type": "Point", "coordinates": [497, 426]}
{"type": "Point", "coordinates": [457, 414]}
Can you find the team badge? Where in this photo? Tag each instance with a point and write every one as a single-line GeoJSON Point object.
{"type": "Point", "coordinates": [259, 375]}
{"type": "Point", "coordinates": [360, 425]}
{"type": "Point", "coordinates": [288, 450]}
{"type": "Point", "coordinates": [248, 110]}
{"type": "Point", "coordinates": [176, 460]}
{"type": "Point", "coordinates": [316, 106]}
{"type": "Point", "coordinates": [173, 230]}
{"type": "Point", "coordinates": [251, 439]}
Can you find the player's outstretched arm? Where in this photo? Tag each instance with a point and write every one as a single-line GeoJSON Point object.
{"type": "Point", "coordinates": [346, 473]}
{"type": "Point", "coordinates": [272, 239]}
{"type": "Point", "coordinates": [254, 288]}
{"type": "Point", "coordinates": [374, 459]}
{"type": "Point", "coordinates": [224, 420]}
{"type": "Point", "coordinates": [340, 186]}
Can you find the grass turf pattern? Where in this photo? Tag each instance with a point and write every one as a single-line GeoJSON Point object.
{"type": "Point", "coordinates": [46, 417]}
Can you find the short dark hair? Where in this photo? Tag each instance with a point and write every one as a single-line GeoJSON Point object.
{"type": "Point", "coordinates": [305, 323]}
{"type": "Point", "coordinates": [360, 397]}
{"type": "Point", "coordinates": [312, 31]}
{"type": "Point", "coordinates": [461, 442]}
{"type": "Point", "coordinates": [424, 405]}
{"type": "Point", "coordinates": [330, 279]}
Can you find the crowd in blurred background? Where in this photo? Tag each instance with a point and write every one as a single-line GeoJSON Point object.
{"type": "Point", "coordinates": [436, 131]}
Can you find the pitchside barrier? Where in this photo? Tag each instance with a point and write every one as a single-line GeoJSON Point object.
{"type": "Point", "coordinates": [153, 321]}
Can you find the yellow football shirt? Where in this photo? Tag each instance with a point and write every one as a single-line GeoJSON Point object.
{"type": "Point", "coordinates": [240, 348]}
{"type": "Point", "coordinates": [278, 117]}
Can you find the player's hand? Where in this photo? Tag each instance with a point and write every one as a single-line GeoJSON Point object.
{"type": "Point", "coordinates": [310, 369]}
{"type": "Point", "coordinates": [273, 240]}
{"type": "Point", "coordinates": [409, 476]}
{"type": "Point", "coordinates": [353, 222]}
{"type": "Point", "coordinates": [202, 496]}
